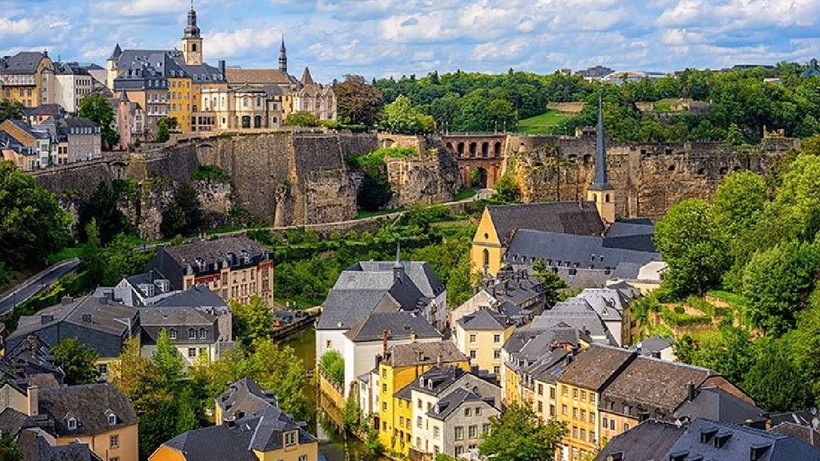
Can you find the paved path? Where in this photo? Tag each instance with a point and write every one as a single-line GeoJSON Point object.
{"type": "Point", "coordinates": [36, 284]}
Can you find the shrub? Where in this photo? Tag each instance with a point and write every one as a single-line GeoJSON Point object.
{"type": "Point", "coordinates": [210, 173]}
{"type": "Point", "coordinates": [333, 364]}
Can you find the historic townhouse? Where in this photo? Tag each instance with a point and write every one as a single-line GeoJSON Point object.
{"type": "Point", "coordinates": [25, 78]}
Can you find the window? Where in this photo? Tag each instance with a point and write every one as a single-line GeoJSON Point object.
{"type": "Point", "coordinates": [564, 391]}
{"type": "Point", "coordinates": [540, 406]}
{"type": "Point", "coordinates": [497, 354]}
{"type": "Point", "coordinates": [467, 412]}
{"type": "Point", "coordinates": [575, 394]}
{"type": "Point", "coordinates": [472, 338]}
{"type": "Point", "coordinates": [419, 404]}
{"type": "Point", "coordinates": [290, 438]}
{"type": "Point", "coordinates": [612, 424]}
{"type": "Point", "coordinates": [592, 397]}
{"type": "Point", "coordinates": [592, 436]}
{"type": "Point", "coordinates": [459, 450]}
{"type": "Point", "coordinates": [384, 406]}
{"type": "Point", "coordinates": [418, 421]}
{"type": "Point", "coordinates": [563, 409]}
{"type": "Point", "coordinates": [203, 333]}
{"type": "Point", "coordinates": [384, 372]}
{"type": "Point", "coordinates": [574, 432]}
{"type": "Point", "coordinates": [583, 415]}
{"type": "Point", "coordinates": [485, 428]}
{"type": "Point", "coordinates": [72, 423]}
{"type": "Point", "coordinates": [114, 441]}
{"type": "Point", "coordinates": [418, 442]}
{"type": "Point", "coordinates": [473, 431]}
{"type": "Point", "coordinates": [497, 370]}
{"type": "Point", "coordinates": [478, 411]}
{"type": "Point", "coordinates": [302, 457]}
{"type": "Point", "coordinates": [102, 368]}
{"type": "Point", "coordinates": [191, 352]}
{"type": "Point", "coordinates": [552, 410]}
{"type": "Point", "coordinates": [191, 333]}
{"type": "Point", "coordinates": [472, 354]}
{"type": "Point", "coordinates": [626, 427]}
{"type": "Point", "coordinates": [436, 431]}
{"type": "Point", "coordinates": [172, 333]}
{"type": "Point", "coordinates": [583, 434]}
{"type": "Point", "coordinates": [552, 393]}
{"type": "Point", "coordinates": [574, 413]}
{"type": "Point", "coordinates": [486, 257]}
{"type": "Point", "coordinates": [458, 432]}
{"type": "Point", "coordinates": [496, 338]}
{"type": "Point", "coordinates": [592, 416]}
{"type": "Point", "coordinates": [112, 419]}
{"type": "Point", "coordinates": [384, 387]}
{"type": "Point", "coordinates": [584, 395]}
{"type": "Point", "coordinates": [605, 423]}
{"type": "Point", "coordinates": [540, 389]}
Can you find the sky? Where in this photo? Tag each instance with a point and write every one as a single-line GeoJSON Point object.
{"type": "Point", "coordinates": [380, 38]}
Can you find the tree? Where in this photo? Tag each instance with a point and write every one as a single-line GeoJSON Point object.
{"type": "Point", "coordinates": [400, 116]}
{"type": "Point", "coordinates": [95, 107]}
{"type": "Point", "coordinates": [507, 190]}
{"type": "Point", "coordinates": [165, 126]}
{"type": "Point", "coordinates": [552, 282]}
{"type": "Point", "coordinates": [735, 136]}
{"type": "Point", "coordinates": [691, 245]}
{"type": "Point", "coordinates": [103, 207]}
{"type": "Point", "coordinates": [78, 361]}
{"type": "Point", "coordinates": [777, 283]}
{"type": "Point", "coordinates": [251, 321]}
{"type": "Point", "coordinates": [806, 343]}
{"type": "Point", "coordinates": [302, 118]}
{"type": "Point", "coordinates": [775, 381]}
{"type": "Point", "coordinates": [520, 435]}
{"type": "Point", "coordinates": [11, 110]}
{"type": "Point", "coordinates": [32, 224]}
{"type": "Point", "coordinates": [168, 360]}
{"type": "Point", "coordinates": [333, 365]}
{"type": "Point", "coordinates": [730, 352]}
{"type": "Point", "coordinates": [9, 449]}
{"type": "Point", "coordinates": [358, 102]}
{"type": "Point", "coordinates": [183, 216]}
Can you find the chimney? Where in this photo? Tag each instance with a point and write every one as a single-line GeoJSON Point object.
{"type": "Point", "coordinates": [384, 343]}
{"type": "Point", "coordinates": [690, 391]}
{"type": "Point", "coordinates": [33, 400]}
{"type": "Point", "coordinates": [222, 68]}
{"type": "Point", "coordinates": [66, 300]}
{"type": "Point", "coordinates": [46, 318]}
{"type": "Point", "coordinates": [438, 360]}
{"type": "Point", "coordinates": [413, 336]}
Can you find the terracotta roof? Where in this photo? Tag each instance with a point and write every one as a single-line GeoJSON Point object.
{"type": "Point", "coordinates": [595, 367]}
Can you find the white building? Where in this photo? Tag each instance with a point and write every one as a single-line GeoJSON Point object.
{"type": "Point", "coordinates": [69, 84]}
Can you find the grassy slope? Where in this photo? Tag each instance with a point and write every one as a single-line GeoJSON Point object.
{"type": "Point", "coordinates": [541, 124]}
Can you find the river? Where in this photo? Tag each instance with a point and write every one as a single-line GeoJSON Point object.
{"type": "Point", "coordinates": [332, 444]}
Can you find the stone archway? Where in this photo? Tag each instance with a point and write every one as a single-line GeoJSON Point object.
{"type": "Point", "coordinates": [478, 178]}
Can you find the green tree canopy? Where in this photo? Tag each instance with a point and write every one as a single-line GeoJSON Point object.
{"type": "Point", "coordinates": [400, 116]}
{"type": "Point", "coordinates": [357, 101]}
{"type": "Point", "coordinates": [184, 215]}
{"type": "Point", "coordinates": [520, 435]}
{"type": "Point", "coordinates": [168, 360]}
{"type": "Point", "coordinates": [552, 282]}
{"type": "Point", "coordinates": [302, 118]}
{"type": "Point", "coordinates": [32, 224]}
{"type": "Point", "coordinates": [507, 190]}
{"type": "Point", "coordinates": [730, 353]}
{"type": "Point", "coordinates": [11, 110]}
{"type": "Point", "coordinates": [251, 321]}
{"type": "Point", "coordinates": [776, 380]}
{"type": "Point", "coordinates": [78, 361]}
{"type": "Point", "coordinates": [95, 107]}
{"type": "Point", "coordinates": [692, 246]}
{"type": "Point", "coordinates": [777, 283]}
{"type": "Point", "coordinates": [333, 365]}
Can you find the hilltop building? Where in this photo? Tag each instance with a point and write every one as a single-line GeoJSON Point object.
{"type": "Point", "coordinates": [24, 77]}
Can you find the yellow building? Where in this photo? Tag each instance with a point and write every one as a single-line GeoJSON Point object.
{"type": "Point", "coordinates": [25, 77]}
{"type": "Point", "coordinates": [481, 335]}
{"type": "Point", "coordinates": [179, 101]}
{"type": "Point", "coordinates": [403, 364]}
{"type": "Point", "coordinates": [499, 224]}
{"type": "Point", "coordinates": [578, 393]}
{"type": "Point", "coordinates": [98, 415]}
{"type": "Point", "coordinates": [249, 425]}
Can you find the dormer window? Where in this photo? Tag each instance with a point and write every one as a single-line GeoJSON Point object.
{"type": "Point", "coordinates": [111, 417]}
{"type": "Point", "coordinates": [72, 423]}
{"type": "Point", "coordinates": [290, 438]}
{"type": "Point", "coordinates": [172, 333]}
{"type": "Point", "coordinates": [191, 333]}
{"type": "Point", "coordinates": [203, 333]}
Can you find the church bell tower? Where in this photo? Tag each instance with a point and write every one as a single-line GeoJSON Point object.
{"type": "Point", "coordinates": [600, 191]}
{"type": "Point", "coordinates": [192, 40]}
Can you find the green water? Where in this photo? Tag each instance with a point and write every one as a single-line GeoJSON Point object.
{"type": "Point", "coordinates": [333, 444]}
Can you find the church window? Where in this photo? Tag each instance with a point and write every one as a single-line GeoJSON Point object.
{"type": "Point", "coordinates": [193, 46]}
{"type": "Point", "coordinates": [486, 257]}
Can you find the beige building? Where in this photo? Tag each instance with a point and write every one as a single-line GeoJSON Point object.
{"type": "Point", "coordinates": [241, 108]}
{"type": "Point", "coordinates": [481, 335]}
{"type": "Point", "coordinates": [25, 78]}
{"type": "Point", "coordinates": [235, 268]}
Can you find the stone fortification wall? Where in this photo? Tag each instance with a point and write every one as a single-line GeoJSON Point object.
{"type": "Point", "coordinates": [648, 178]}
{"type": "Point", "coordinates": [430, 177]}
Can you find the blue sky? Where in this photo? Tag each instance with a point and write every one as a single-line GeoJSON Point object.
{"type": "Point", "coordinates": [394, 37]}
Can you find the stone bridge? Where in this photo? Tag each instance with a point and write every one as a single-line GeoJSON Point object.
{"type": "Point", "coordinates": [480, 156]}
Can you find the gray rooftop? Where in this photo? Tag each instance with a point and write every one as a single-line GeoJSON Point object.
{"type": "Point", "coordinates": [577, 218]}
{"type": "Point", "coordinates": [398, 325]}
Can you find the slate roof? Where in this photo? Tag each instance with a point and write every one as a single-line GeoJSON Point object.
{"type": "Point", "coordinates": [306, 79]}
{"type": "Point", "coordinates": [719, 405]}
{"type": "Point", "coordinates": [596, 366]}
{"type": "Point", "coordinates": [436, 379]}
{"type": "Point", "coordinates": [578, 218]}
{"type": "Point", "coordinates": [648, 441]}
{"type": "Point", "coordinates": [484, 320]}
{"type": "Point", "coordinates": [245, 398]}
{"type": "Point", "coordinates": [24, 62]}
{"type": "Point", "coordinates": [652, 345]}
{"type": "Point", "coordinates": [419, 272]}
{"type": "Point", "coordinates": [739, 441]}
{"type": "Point", "coordinates": [401, 355]}
{"type": "Point", "coordinates": [447, 405]}
{"type": "Point", "coordinates": [652, 385]}
{"type": "Point", "coordinates": [258, 76]}
{"type": "Point", "coordinates": [12, 421]}
{"type": "Point", "coordinates": [344, 309]}
{"type": "Point", "coordinates": [262, 432]}
{"type": "Point", "coordinates": [95, 321]}
{"type": "Point", "coordinates": [37, 445]}
{"type": "Point", "coordinates": [89, 403]}
{"type": "Point", "coordinates": [528, 345]}
{"type": "Point", "coordinates": [399, 325]}
{"type": "Point", "coordinates": [575, 251]}
{"type": "Point", "coordinates": [198, 296]}
{"type": "Point", "coordinates": [804, 433]}
{"type": "Point", "coordinates": [586, 321]}
{"type": "Point", "coordinates": [549, 367]}
{"type": "Point", "coordinates": [30, 362]}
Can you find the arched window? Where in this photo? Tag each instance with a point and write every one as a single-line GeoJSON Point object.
{"type": "Point", "coordinates": [193, 46]}
{"type": "Point", "coordinates": [172, 333]}
{"type": "Point", "coordinates": [191, 333]}
{"type": "Point", "coordinates": [486, 257]}
{"type": "Point", "coordinates": [203, 333]}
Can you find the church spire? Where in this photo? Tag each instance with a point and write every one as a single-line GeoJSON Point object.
{"type": "Point", "coordinates": [600, 191]}
{"type": "Point", "coordinates": [192, 30]}
{"type": "Point", "coordinates": [283, 57]}
{"type": "Point", "coordinates": [600, 182]}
